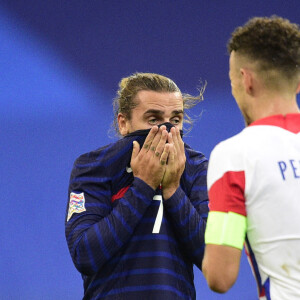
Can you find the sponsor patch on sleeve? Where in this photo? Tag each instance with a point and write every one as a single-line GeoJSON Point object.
{"type": "Point", "coordinates": [76, 204]}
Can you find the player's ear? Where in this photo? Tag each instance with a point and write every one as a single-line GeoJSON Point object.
{"type": "Point", "coordinates": [247, 80]}
{"type": "Point", "coordinates": [123, 124]}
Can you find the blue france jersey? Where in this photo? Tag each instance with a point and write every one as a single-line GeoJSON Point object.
{"type": "Point", "coordinates": [117, 240]}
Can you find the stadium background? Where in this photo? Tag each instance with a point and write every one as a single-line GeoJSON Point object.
{"type": "Point", "coordinates": [60, 64]}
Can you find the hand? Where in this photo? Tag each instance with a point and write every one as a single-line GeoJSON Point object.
{"type": "Point", "coordinates": [149, 163]}
{"type": "Point", "coordinates": [175, 164]}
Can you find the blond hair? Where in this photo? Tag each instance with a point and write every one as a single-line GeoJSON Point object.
{"type": "Point", "coordinates": [129, 86]}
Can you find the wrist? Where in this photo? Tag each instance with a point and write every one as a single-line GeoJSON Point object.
{"type": "Point", "coordinates": [150, 183]}
{"type": "Point", "coordinates": [168, 192]}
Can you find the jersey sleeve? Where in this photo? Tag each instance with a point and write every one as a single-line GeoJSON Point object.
{"type": "Point", "coordinates": [188, 207]}
{"type": "Point", "coordinates": [97, 228]}
{"type": "Point", "coordinates": [227, 222]}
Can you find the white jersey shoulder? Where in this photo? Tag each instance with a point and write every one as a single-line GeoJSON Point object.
{"type": "Point", "coordinates": [226, 156]}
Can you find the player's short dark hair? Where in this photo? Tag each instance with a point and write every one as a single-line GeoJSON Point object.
{"type": "Point", "coordinates": [272, 41]}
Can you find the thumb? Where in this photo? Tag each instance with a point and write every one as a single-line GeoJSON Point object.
{"type": "Point", "coordinates": [135, 149]}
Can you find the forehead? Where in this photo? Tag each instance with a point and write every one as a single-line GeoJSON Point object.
{"type": "Point", "coordinates": [159, 100]}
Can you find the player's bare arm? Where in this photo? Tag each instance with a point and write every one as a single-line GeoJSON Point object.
{"type": "Point", "coordinates": [220, 266]}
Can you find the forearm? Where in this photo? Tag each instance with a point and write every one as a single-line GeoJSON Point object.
{"type": "Point", "coordinates": [189, 223]}
{"type": "Point", "coordinates": [221, 266]}
{"type": "Point", "coordinates": [94, 239]}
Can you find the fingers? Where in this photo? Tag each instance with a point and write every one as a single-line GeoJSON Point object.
{"type": "Point", "coordinates": [135, 150]}
{"type": "Point", "coordinates": [164, 156]}
{"type": "Point", "coordinates": [156, 141]}
{"type": "Point", "coordinates": [150, 137]}
{"type": "Point", "coordinates": [171, 141]}
{"type": "Point", "coordinates": [148, 163]}
{"type": "Point", "coordinates": [175, 138]}
{"type": "Point", "coordinates": [159, 147]}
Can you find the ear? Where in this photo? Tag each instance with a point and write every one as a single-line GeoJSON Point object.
{"type": "Point", "coordinates": [123, 124]}
{"type": "Point", "coordinates": [247, 80]}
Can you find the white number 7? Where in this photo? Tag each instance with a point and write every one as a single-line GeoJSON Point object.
{"type": "Point", "coordinates": [158, 220]}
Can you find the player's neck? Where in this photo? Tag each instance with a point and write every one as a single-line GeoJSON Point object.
{"type": "Point", "coordinates": [276, 105]}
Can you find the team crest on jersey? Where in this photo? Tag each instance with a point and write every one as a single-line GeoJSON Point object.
{"type": "Point", "coordinates": [76, 204]}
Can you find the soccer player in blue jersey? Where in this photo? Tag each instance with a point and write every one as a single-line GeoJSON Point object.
{"type": "Point", "coordinates": [137, 208]}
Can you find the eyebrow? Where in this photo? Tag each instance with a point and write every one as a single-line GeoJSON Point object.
{"type": "Point", "coordinates": [177, 112]}
{"type": "Point", "coordinates": [159, 112]}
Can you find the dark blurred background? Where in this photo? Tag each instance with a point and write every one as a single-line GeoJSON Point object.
{"type": "Point", "coordinates": [60, 65]}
